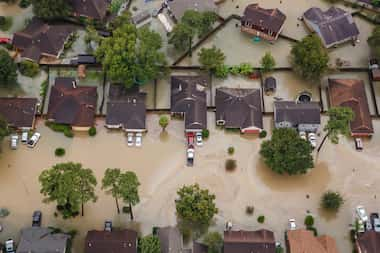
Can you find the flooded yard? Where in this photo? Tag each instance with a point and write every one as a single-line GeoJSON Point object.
{"type": "Point", "coordinates": [162, 173]}
{"type": "Point", "coordinates": [19, 17]}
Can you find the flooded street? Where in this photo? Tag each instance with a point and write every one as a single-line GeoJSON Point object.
{"type": "Point", "coordinates": [160, 166]}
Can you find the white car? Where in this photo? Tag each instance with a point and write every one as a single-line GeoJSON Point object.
{"type": "Point", "coordinates": [138, 140]}
{"type": "Point", "coordinates": [24, 137]}
{"type": "Point", "coordinates": [199, 139]}
{"type": "Point", "coordinates": [9, 246]}
{"type": "Point", "coordinates": [303, 135]}
{"type": "Point", "coordinates": [14, 141]}
{"type": "Point", "coordinates": [130, 139]}
{"type": "Point", "coordinates": [313, 140]}
{"type": "Point", "coordinates": [376, 225]}
{"type": "Point", "coordinates": [292, 224]}
{"type": "Point", "coordinates": [361, 213]}
{"type": "Point", "coordinates": [33, 140]}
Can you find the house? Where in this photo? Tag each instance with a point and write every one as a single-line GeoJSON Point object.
{"type": "Point", "coordinates": [334, 26]}
{"type": "Point", "coordinates": [301, 116]}
{"type": "Point", "coordinates": [40, 39]}
{"type": "Point", "coordinates": [93, 9]}
{"type": "Point", "coordinates": [239, 109]}
{"type": "Point", "coordinates": [19, 113]}
{"type": "Point", "coordinates": [263, 23]}
{"type": "Point", "coordinates": [126, 109]}
{"type": "Point", "coordinates": [177, 8]}
{"type": "Point", "coordinates": [368, 242]}
{"type": "Point", "coordinates": [351, 93]}
{"type": "Point", "coordinates": [72, 105]}
{"type": "Point", "coordinates": [170, 240]}
{"type": "Point", "coordinates": [42, 240]}
{"type": "Point", "coordinates": [122, 241]}
{"type": "Point", "coordinates": [260, 241]}
{"type": "Point", "coordinates": [188, 100]}
{"type": "Point", "coordinates": [301, 241]}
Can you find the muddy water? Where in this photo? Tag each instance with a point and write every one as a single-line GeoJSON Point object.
{"type": "Point", "coordinates": [18, 14]}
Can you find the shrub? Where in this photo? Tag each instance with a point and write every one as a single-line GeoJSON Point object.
{"type": "Point", "coordinates": [249, 210]}
{"type": "Point", "coordinates": [4, 212]}
{"type": "Point", "coordinates": [315, 231]}
{"type": "Point", "coordinates": [332, 201]}
{"type": "Point", "coordinates": [261, 219]}
{"type": "Point", "coordinates": [6, 23]}
{"type": "Point", "coordinates": [245, 69]}
{"type": "Point", "coordinates": [68, 133]}
{"type": "Point", "coordinates": [263, 134]}
{"type": "Point", "coordinates": [230, 165]}
{"type": "Point", "coordinates": [231, 150]}
{"type": "Point", "coordinates": [309, 221]}
{"type": "Point", "coordinates": [205, 133]}
{"type": "Point", "coordinates": [60, 152]}
{"type": "Point", "coordinates": [222, 71]}
{"type": "Point", "coordinates": [28, 68]}
{"type": "Point", "coordinates": [92, 131]}
{"type": "Point", "coordinates": [24, 3]}
{"type": "Point", "coordinates": [234, 70]}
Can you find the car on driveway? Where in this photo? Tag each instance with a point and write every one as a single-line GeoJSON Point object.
{"type": "Point", "coordinates": [24, 137]}
{"type": "Point", "coordinates": [199, 139]}
{"type": "Point", "coordinates": [303, 135]}
{"type": "Point", "coordinates": [108, 226]}
{"type": "Point", "coordinates": [358, 144]}
{"type": "Point", "coordinates": [375, 221]}
{"type": "Point", "coordinates": [33, 140]}
{"type": "Point", "coordinates": [14, 141]}
{"type": "Point", "coordinates": [138, 139]}
{"type": "Point", "coordinates": [130, 139]}
{"type": "Point", "coordinates": [37, 219]}
{"type": "Point", "coordinates": [313, 140]}
{"type": "Point", "coordinates": [361, 213]}
{"type": "Point", "coordinates": [9, 246]}
{"type": "Point", "coordinates": [190, 155]}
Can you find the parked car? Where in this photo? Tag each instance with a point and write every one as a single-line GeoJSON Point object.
{"type": "Point", "coordinates": [33, 140]}
{"type": "Point", "coordinates": [37, 219]}
{"type": "Point", "coordinates": [14, 141]}
{"type": "Point", "coordinates": [130, 139]}
{"type": "Point", "coordinates": [358, 144]}
{"type": "Point", "coordinates": [108, 225]}
{"type": "Point", "coordinates": [313, 140]}
{"type": "Point", "coordinates": [24, 137]}
{"type": "Point", "coordinates": [199, 139]}
{"type": "Point", "coordinates": [138, 139]}
{"type": "Point", "coordinates": [372, 217]}
{"type": "Point", "coordinates": [292, 224]}
{"type": "Point", "coordinates": [303, 135]}
{"type": "Point", "coordinates": [9, 246]}
{"type": "Point", "coordinates": [190, 138]}
{"type": "Point", "coordinates": [368, 226]}
{"type": "Point", "coordinates": [361, 213]}
{"type": "Point", "coordinates": [190, 155]}
{"type": "Point", "coordinates": [361, 228]}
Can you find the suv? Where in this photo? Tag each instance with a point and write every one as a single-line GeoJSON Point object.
{"type": "Point", "coordinates": [292, 224]}
{"type": "Point", "coordinates": [313, 140]}
{"type": "Point", "coordinates": [108, 226]}
{"type": "Point", "coordinates": [358, 144]}
{"type": "Point", "coordinates": [361, 213]}
{"type": "Point", "coordinates": [37, 218]}
{"type": "Point", "coordinates": [190, 155]}
{"type": "Point", "coordinates": [24, 137]}
{"type": "Point", "coordinates": [33, 140]}
{"type": "Point", "coordinates": [303, 135]}
{"type": "Point", "coordinates": [9, 246]}
{"type": "Point", "coordinates": [14, 141]}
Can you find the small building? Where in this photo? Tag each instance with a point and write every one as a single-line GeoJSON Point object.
{"type": "Point", "coordinates": [334, 26]}
{"type": "Point", "coordinates": [171, 240]}
{"type": "Point", "coordinates": [301, 116]}
{"type": "Point", "coordinates": [188, 100]}
{"type": "Point", "coordinates": [42, 240]}
{"type": "Point", "coordinates": [72, 105]}
{"type": "Point", "coordinates": [40, 39]}
{"type": "Point", "coordinates": [368, 242]}
{"type": "Point", "coordinates": [263, 23]}
{"type": "Point", "coordinates": [178, 7]}
{"type": "Point", "coordinates": [94, 9]}
{"type": "Point", "coordinates": [239, 109]}
{"type": "Point", "coordinates": [123, 241]}
{"type": "Point", "coordinates": [301, 241]}
{"type": "Point", "coordinates": [375, 69]}
{"type": "Point", "coordinates": [270, 85]}
{"type": "Point", "coordinates": [126, 109]}
{"type": "Point", "coordinates": [262, 241]}
{"type": "Point", "coordinates": [351, 93]}
{"type": "Point", "coordinates": [19, 113]}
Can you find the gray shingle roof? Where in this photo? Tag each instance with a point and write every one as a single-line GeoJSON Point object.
{"type": "Point", "coordinates": [179, 7]}
{"type": "Point", "coordinates": [170, 240]}
{"type": "Point", "coordinates": [297, 113]}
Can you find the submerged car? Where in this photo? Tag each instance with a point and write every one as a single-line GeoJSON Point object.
{"type": "Point", "coordinates": [199, 139]}
{"type": "Point", "coordinates": [24, 137]}
{"type": "Point", "coordinates": [9, 246]}
{"type": "Point", "coordinates": [190, 155]}
{"type": "Point", "coordinates": [303, 135]}
{"type": "Point", "coordinates": [14, 141]}
{"type": "Point", "coordinates": [138, 140]}
{"type": "Point", "coordinates": [130, 139]}
{"type": "Point", "coordinates": [33, 140]}
{"type": "Point", "coordinates": [292, 224]}
{"type": "Point", "coordinates": [313, 140]}
{"type": "Point", "coordinates": [37, 219]}
{"type": "Point", "coordinates": [361, 213]}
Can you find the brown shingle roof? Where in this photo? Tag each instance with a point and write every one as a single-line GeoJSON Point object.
{"type": "Point", "coordinates": [19, 112]}
{"type": "Point", "coordinates": [262, 241]}
{"type": "Point", "coordinates": [72, 106]}
{"type": "Point", "coordinates": [301, 241]}
{"type": "Point", "coordinates": [96, 9]}
{"type": "Point", "coordinates": [351, 93]}
{"type": "Point", "coordinates": [369, 242]}
{"type": "Point", "coordinates": [124, 241]}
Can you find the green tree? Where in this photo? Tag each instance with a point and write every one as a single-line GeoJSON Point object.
{"type": "Point", "coordinates": [195, 206]}
{"type": "Point", "coordinates": [309, 58]}
{"type": "Point", "coordinates": [287, 153]}
{"type": "Point", "coordinates": [129, 185]}
{"type": "Point", "coordinates": [8, 68]}
{"type": "Point", "coordinates": [267, 62]}
{"type": "Point", "coordinates": [164, 122]}
{"type": "Point", "coordinates": [111, 183]}
{"type": "Point", "coordinates": [4, 130]}
{"type": "Point", "coordinates": [211, 58]}
{"type": "Point", "coordinates": [374, 41]}
{"type": "Point", "coordinates": [181, 37]}
{"type": "Point", "coordinates": [70, 185]}
{"type": "Point", "coordinates": [132, 56]}
{"type": "Point", "coordinates": [332, 201]}
{"type": "Point", "coordinates": [29, 68]}
{"type": "Point", "coordinates": [214, 242]}
{"type": "Point", "coordinates": [51, 8]}
{"type": "Point", "coordinates": [150, 244]}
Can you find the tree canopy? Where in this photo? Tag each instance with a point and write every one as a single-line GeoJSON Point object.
{"type": "Point", "coordinates": [339, 122]}
{"type": "Point", "coordinates": [4, 130]}
{"type": "Point", "coordinates": [70, 185]}
{"type": "Point", "coordinates": [164, 122]}
{"type": "Point", "coordinates": [132, 56]}
{"type": "Point", "coordinates": [51, 8]}
{"type": "Point", "coordinates": [211, 58]}
{"type": "Point", "coordinates": [374, 41]}
{"type": "Point", "coordinates": [309, 58]}
{"type": "Point", "coordinates": [8, 68]}
{"type": "Point", "coordinates": [267, 62]}
{"type": "Point", "coordinates": [150, 244]}
{"type": "Point", "coordinates": [214, 242]}
{"type": "Point", "coordinates": [287, 153]}
{"type": "Point", "coordinates": [332, 201]}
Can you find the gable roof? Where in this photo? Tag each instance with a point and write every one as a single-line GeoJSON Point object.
{"type": "Point", "coordinates": [40, 38]}
{"type": "Point", "coordinates": [75, 106]}
{"type": "Point", "coordinates": [301, 241]}
{"type": "Point", "coordinates": [19, 112]}
{"type": "Point", "coordinates": [170, 240]}
{"type": "Point", "coordinates": [369, 242]}
{"type": "Point", "coordinates": [41, 240]}
{"type": "Point", "coordinates": [262, 241]}
{"type": "Point", "coordinates": [351, 93]}
{"type": "Point", "coordinates": [297, 113]}
{"type": "Point", "coordinates": [179, 7]}
{"type": "Point", "coordinates": [334, 25]}
{"type": "Point", "coordinates": [239, 108]}
{"type": "Point", "coordinates": [188, 96]}
{"type": "Point", "coordinates": [126, 108]}
{"type": "Point", "coordinates": [96, 9]}
{"type": "Point", "coordinates": [123, 241]}
{"type": "Point", "coordinates": [269, 19]}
